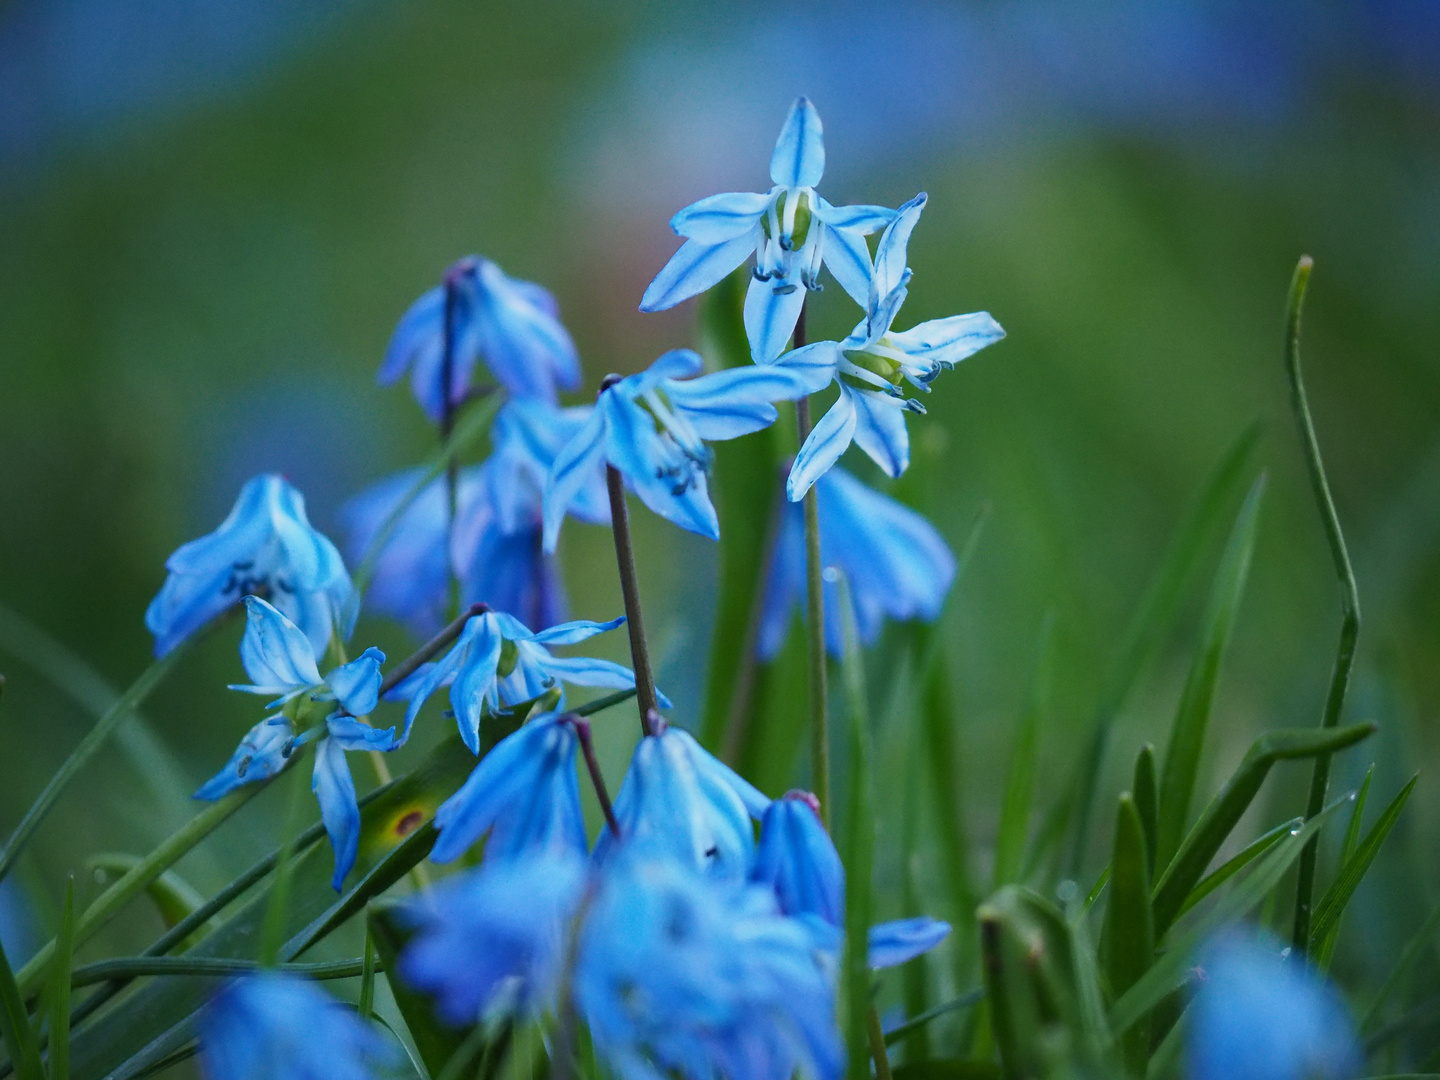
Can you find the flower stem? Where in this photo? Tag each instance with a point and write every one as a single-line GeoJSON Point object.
{"type": "Point", "coordinates": [814, 618]}
{"type": "Point", "coordinates": [592, 766]}
{"type": "Point", "coordinates": [1349, 599]}
{"type": "Point", "coordinates": [440, 641]}
{"type": "Point", "coordinates": [630, 589]}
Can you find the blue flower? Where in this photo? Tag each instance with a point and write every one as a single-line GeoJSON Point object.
{"type": "Point", "coordinates": [898, 566]}
{"type": "Point", "coordinates": [280, 661]}
{"type": "Point", "coordinates": [1259, 1015]}
{"type": "Point", "coordinates": [872, 363]}
{"type": "Point", "coordinates": [265, 547]}
{"type": "Point", "coordinates": [271, 1026]}
{"type": "Point", "coordinates": [797, 859]}
{"type": "Point", "coordinates": [678, 799]}
{"type": "Point", "coordinates": [497, 662]}
{"type": "Point", "coordinates": [523, 793]}
{"type": "Point", "coordinates": [653, 427]}
{"type": "Point", "coordinates": [678, 974]}
{"type": "Point", "coordinates": [494, 938]}
{"type": "Point", "coordinates": [513, 325]}
{"type": "Point", "coordinates": [792, 228]}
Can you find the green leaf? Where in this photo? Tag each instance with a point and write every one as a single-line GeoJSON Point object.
{"type": "Point", "coordinates": [1192, 717]}
{"type": "Point", "coordinates": [366, 1005]}
{"type": "Point", "coordinates": [1149, 627]}
{"type": "Point", "coordinates": [1234, 865]}
{"type": "Point", "coordinates": [58, 987]}
{"type": "Point", "coordinates": [15, 1027]}
{"type": "Point", "coordinates": [174, 897]}
{"type": "Point", "coordinates": [1143, 788]}
{"type": "Point", "coordinates": [436, 1042]}
{"type": "Point", "coordinates": [1326, 948]}
{"type": "Point", "coordinates": [1215, 823]}
{"type": "Point", "coordinates": [1171, 968]}
{"type": "Point", "coordinates": [1332, 904]}
{"type": "Point", "coordinates": [920, 1020]}
{"type": "Point", "coordinates": [1129, 933]}
{"type": "Point", "coordinates": [1019, 794]}
{"type": "Point", "coordinates": [1412, 952]}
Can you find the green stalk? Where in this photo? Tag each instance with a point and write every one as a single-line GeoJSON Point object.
{"type": "Point", "coordinates": [1349, 599]}
{"type": "Point", "coordinates": [648, 703]}
{"type": "Point", "coordinates": [59, 989]}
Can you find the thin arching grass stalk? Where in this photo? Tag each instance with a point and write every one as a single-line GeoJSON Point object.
{"type": "Point", "coordinates": [1349, 598]}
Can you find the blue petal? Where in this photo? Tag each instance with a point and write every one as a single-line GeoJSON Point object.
{"type": "Point", "coordinates": [274, 651]}
{"type": "Point", "coordinates": [574, 466]}
{"type": "Point", "coordinates": [665, 480]}
{"type": "Point", "coordinates": [351, 734]}
{"type": "Point", "coordinates": [816, 363]}
{"type": "Point", "coordinates": [848, 258]}
{"type": "Point", "coordinates": [799, 158]}
{"type": "Point", "coordinates": [571, 633]}
{"type": "Point", "coordinates": [673, 364]}
{"type": "Point", "coordinates": [259, 756]}
{"type": "Point", "coordinates": [884, 310]}
{"type": "Point", "coordinates": [880, 430]}
{"type": "Point", "coordinates": [430, 677]}
{"type": "Point", "coordinates": [890, 253]}
{"type": "Point", "coordinates": [510, 572]}
{"type": "Point", "coordinates": [894, 943]}
{"type": "Point", "coordinates": [862, 220]}
{"type": "Point", "coordinates": [587, 671]}
{"type": "Point", "coordinates": [475, 680]}
{"type": "Point", "coordinates": [828, 440]}
{"type": "Point", "coordinates": [719, 218]}
{"type": "Point", "coordinates": [770, 317]}
{"type": "Point", "coordinates": [335, 792]}
{"type": "Point", "coordinates": [525, 346]}
{"type": "Point", "coordinates": [713, 771]}
{"type": "Point", "coordinates": [694, 268]}
{"type": "Point", "coordinates": [798, 860]}
{"type": "Point", "coordinates": [949, 341]}
{"type": "Point", "coordinates": [357, 684]}
{"type": "Point", "coordinates": [419, 328]}
{"type": "Point", "coordinates": [734, 402]}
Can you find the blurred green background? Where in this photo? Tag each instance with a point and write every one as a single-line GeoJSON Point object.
{"type": "Point", "coordinates": [212, 214]}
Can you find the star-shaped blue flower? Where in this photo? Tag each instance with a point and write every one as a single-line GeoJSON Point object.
{"type": "Point", "coordinates": [281, 663]}
{"type": "Point", "coordinates": [653, 427]}
{"type": "Point", "coordinates": [791, 228]}
{"type": "Point", "coordinates": [266, 546]}
{"type": "Point", "coordinates": [513, 325]}
{"type": "Point", "coordinates": [873, 362]}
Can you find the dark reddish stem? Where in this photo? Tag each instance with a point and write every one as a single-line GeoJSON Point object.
{"type": "Point", "coordinates": [592, 766]}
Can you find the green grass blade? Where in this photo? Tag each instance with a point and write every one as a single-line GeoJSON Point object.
{"type": "Point", "coordinates": [15, 1027]}
{"type": "Point", "coordinates": [1171, 968]}
{"type": "Point", "coordinates": [59, 987]}
{"type": "Point", "coordinates": [1144, 789]}
{"type": "Point", "coordinates": [1412, 952]}
{"type": "Point", "coordinates": [920, 1020]}
{"type": "Point", "coordinates": [1353, 871]}
{"type": "Point", "coordinates": [1129, 932]}
{"type": "Point", "coordinates": [1020, 776]}
{"type": "Point", "coordinates": [1148, 628]}
{"type": "Point", "coordinates": [174, 897]}
{"type": "Point", "coordinates": [435, 1042]}
{"type": "Point", "coordinates": [1326, 949]}
{"type": "Point", "coordinates": [1192, 717]}
{"type": "Point", "coordinates": [366, 1005]}
{"type": "Point", "coordinates": [1210, 831]}
{"type": "Point", "coordinates": [1234, 865]}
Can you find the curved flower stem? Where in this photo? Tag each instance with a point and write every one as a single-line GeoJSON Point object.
{"type": "Point", "coordinates": [1349, 598]}
{"type": "Point", "coordinates": [630, 589]}
{"type": "Point", "coordinates": [814, 617]}
{"type": "Point", "coordinates": [592, 766]}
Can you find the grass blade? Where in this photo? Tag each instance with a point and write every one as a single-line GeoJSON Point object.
{"type": "Point", "coordinates": [15, 1027]}
{"type": "Point", "coordinates": [1349, 594]}
{"type": "Point", "coordinates": [1244, 858]}
{"type": "Point", "coordinates": [1412, 952]}
{"type": "Point", "coordinates": [366, 1004]}
{"type": "Point", "coordinates": [1143, 787]}
{"type": "Point", "coordinates": [1214, 825]}
{"type": "Point", "coordinates": [918, 1022]}
{"type": "Point", "coordinates": [1020, 776]}
{"type": "Point", "coordinates": [1326, 948]}
{"type": "Point", "coordinates": [1353, 871]}
{"type": "Point", "coordinates": [174, 897]}
{"type": "Point", "coordinates": [1192, 717]}
{"type": "Point", "coordinates": [1129, 932]}
{"type": "Point", "coordinates": [59, 987]}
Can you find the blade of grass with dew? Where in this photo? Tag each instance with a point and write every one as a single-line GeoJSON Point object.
{"type": "Point", "coordinates": [1170, 967]}
{"type": "Point", "coordinates": [1353, 871]}
{"type": "Point", "coordinates": [1148, 628]}
{"type": "Point", "coordinates": [1242, 859]}
{"type": "Point", "coordinates": [1204, 840]}
{"type": "Point", "coordinates": [1129, 938]}
{"type": "Point", "coordinates": [1192, 717]}
{"type": "Point", "coordinates": [58, 987]}
{"type": "Point", "coordinates": [1015, 805]}
{"type": "Point", "coordinates": [1349, 593]}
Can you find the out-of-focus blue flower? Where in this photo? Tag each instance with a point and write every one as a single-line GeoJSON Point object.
{"type": "Point", "coordinates": [513, 325]}
{"type": "Point", "coordinates": [1259, 1015]}
{"type": "Point", "coordinates": [897, 564]}
{"type": "Point", "coordinates": [494, 938]}
{"type": "Point", "coordinates": [653, 427]}
{"type": "Point", "coordinates": [797, 859]}
{"type": "Point", "coordinates": [791, 227]}
{"type": "Point", "coordinates": [279, 660]}
{"type": "Point", "coordinates": [872, 363]}
{"type": "Point", "coordinates": [680, 800]}
{"type": "Point", "coordinates": [497, 662]}
{"type": "Point", "coordinates": [271, 1026]}
{"type": "Point", "coordinates": [524, 793]}
{"type": "Point", "coordinates": [265, 547]}
{"type": "Point", "coordinates": [678, 974]}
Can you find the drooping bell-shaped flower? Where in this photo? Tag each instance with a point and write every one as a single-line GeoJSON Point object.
{"type": "Point", "coordinates": [524, 794]}
{"type": "Point", "coordinates": [280, 662]}
{"type": "Point", "coordinates": [679, 799]}
{"type": "Point", "coordinates": [498, 662]}
{"type": "Point", "coordinates": [1260, 1015]}
{"type": "Point", "coordinates": [653, 427]}
{"type": "Point", "coordinates": [494, 938]}
{"type": "Point", "coordinates": [680, 975]}
{"type": "Point", "coordinates": [271, 1026]}
{"type": "Point", "coordinates": [790, 228]}
{"type": "Point", "coordinates": [897, 564]}
{"type": "Point", "coordinates": [513, 325]}
{"type": "Point", "coordinates": [873, 363]}
{"type": "Point", "coordinates": [265, 547]}
{"type": "Point", "coordinates": [798, 860]}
